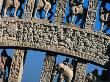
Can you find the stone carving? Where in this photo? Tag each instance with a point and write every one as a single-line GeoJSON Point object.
{"type": "Point", "coordinates": [37, 6]}
{"type": "Point", "coordinates": [60, 11]}
{"type": "Point", "coordinates": [29, 8]}
{"type": "Point", "coordinates": [68, 73]}
{"type": "Point", "coordinates": [9, 3]}
{"type": "Point", "coordinates": [92, 77]}
{"type": "Point", "coordinates": [65, 71]}
{"type": "Point", "coordinates": [76, 9]}
{"type": "Point", "coordinates": [5, 61]}
{"type": "Point", "coordinates": [91, 14]}
{"type": "Point", "coordinates": [48, 66]}
{"type": "Point", "coordinates": [46, 5]}
{"type": "Point", "coordinates": [104, 16]}
{"type": "Point", "coordinates": [17, 66]}
{"type": "Point", "coordinates": [60, 38]}
{"type": "Point", "coordinates": [56, 37]}
{"type": "Point", "coordinates": [2, 67]}
{"type": "Point", "coordinates": [80, 71]}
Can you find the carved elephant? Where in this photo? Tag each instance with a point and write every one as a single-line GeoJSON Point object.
{"type": "Point", "coordinates": [68, 72]}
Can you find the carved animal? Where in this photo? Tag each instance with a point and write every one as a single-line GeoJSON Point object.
{"type": "Point", "coordinates": [68, 73]}
{"type": "Point", "coordinates": [104, 16]}
{"type": "Point", "coordinates": [46, 5]}
{"type": "Point", "coordinates": [9, 3]}
{"type": "Point", "coordinates": [77, 10]}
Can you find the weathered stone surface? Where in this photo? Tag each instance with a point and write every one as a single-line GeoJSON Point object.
{"type": "Point", "coordinates": [52, 37]}
{"type": "Point", "coordinates": [80, 71]}
{"type": "Point", "coordinates": [60, 11]}
{"type": "Point", "coordinates": [91, 14]}
{"type": "Point", "coordinates": [16, 70]}
{"type": "Point", "coordinates": [48, 66]}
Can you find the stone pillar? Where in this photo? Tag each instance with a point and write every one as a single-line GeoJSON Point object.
{"type": "Point", "coordinates": [29, 8]}
{"type": "Point", "coordinates": [60, 11]}
{"type": "Point", "coordinates": [80, 71]}
{"type": "Point", "coordinates": [17, 66]}
{"type": "Point", "coordinates": [91, 14]}
{"type": "Point", "coordinates": [48, 66]}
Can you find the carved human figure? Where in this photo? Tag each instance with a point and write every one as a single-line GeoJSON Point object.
{"type": "Point", "coordinates": [103, 13]}
{"type": "Point", "coordinates": [108, 23]}
{"type": "Point", "coordinates": [30, 5]}
{"type": "Point", "coordinates": [9, 3]}
{"type": "Point", "coordinates": [25, 34]}
{"type": "Point", "coordinates": [30, 34]}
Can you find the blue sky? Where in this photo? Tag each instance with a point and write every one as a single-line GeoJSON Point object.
{"type": "Point", "coordinates": [34, 59]}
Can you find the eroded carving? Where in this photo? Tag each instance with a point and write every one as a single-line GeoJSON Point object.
{"type": "Point", "coordinates": [77, 9]}
{"type": "Point", "coordinates": [44, 36]}
{"type": "Point", "coordinates": [9, 3]}
{"type": "Point", "coordinates": [64, 71]}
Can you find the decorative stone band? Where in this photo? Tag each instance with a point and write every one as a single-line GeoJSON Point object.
{"type": "Point", "coordinates": [42, 35]}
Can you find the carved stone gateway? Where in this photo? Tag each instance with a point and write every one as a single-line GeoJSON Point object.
{"type": "Point", "coordinates": [54, 38]}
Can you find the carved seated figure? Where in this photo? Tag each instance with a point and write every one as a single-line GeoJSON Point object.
{"type": "Point", "coordinates": [9, 3]}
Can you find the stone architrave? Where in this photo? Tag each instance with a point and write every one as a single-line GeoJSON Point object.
{"type": "Point", "coordinates": [91, 14]}
{"type": "Point", "coordinates": [16, 70]}
{"type": "Point", "coordinates": [80, 71]}
{"type": "Point", "coordinates": [48, 66]}
{"type": "Point", "coordinates": [60, 11]}
{"type": "Point", "coordinates": [29, 8]}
